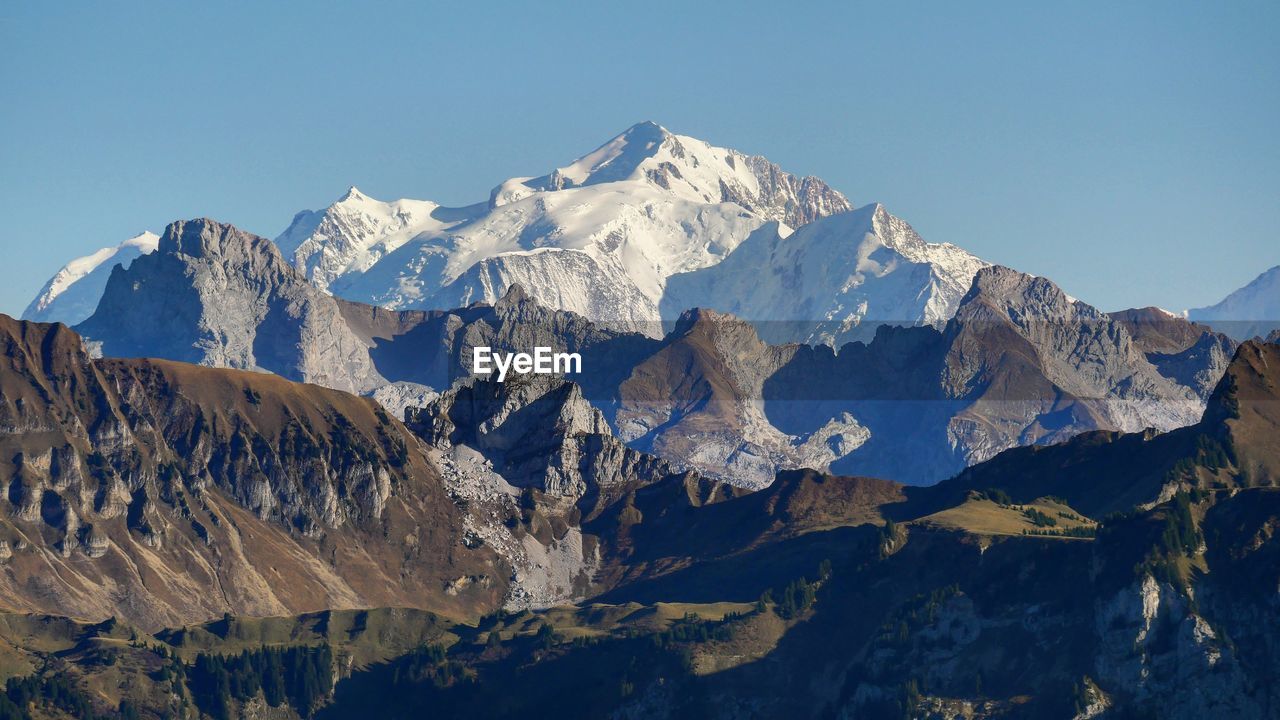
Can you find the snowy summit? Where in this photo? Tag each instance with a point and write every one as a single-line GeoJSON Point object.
{"type": "Point", "coordinates": [635, 231]}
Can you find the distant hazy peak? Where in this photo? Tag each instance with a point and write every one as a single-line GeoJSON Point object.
{"type": "Point", "coordinates": [1253, 310]}
{"type": "Point", "coordinates": [72, 293]}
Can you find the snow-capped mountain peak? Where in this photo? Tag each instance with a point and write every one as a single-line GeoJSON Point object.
{"type": "Point", "coordinates": [353, 195]}
{"type": "Point", "coordinates": [598, 235]}
{"type": "Point", "coordinates": [624, 157]}
{"type": "Point", "coordinates": [619, 158]}
{"type": "Point", "coordinates": [353, 233]}
{"type": "Point", "coordinates": [689, 169]}
{"type": "Point", "coordinates": [1253, 310]}
{"type": "Point", "coordinates": [602, 234]}
{"type": "Point", "coordinates": [72, 294]}
{"type": "Point", "coordinates": [833, 280]}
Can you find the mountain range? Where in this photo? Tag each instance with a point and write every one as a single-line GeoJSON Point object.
{"type": "Point", "coordinates": [633, 233]}
{"type": "Point", "coordinates": [1097, 575]}
{"type": "Point", "coordinates": [1019, 362]}
{"type": "Point", "coordinates": [601, 237]}
{"type": "Point", "coordinates": [812, 466]}
{"type": "Point", "coordinates": [168, 493]}
{"type": "Point", "coordinates": [598, 236]}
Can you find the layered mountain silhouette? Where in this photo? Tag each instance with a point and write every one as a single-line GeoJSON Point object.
{"type": "Point", "coordinates": [1019, 363]}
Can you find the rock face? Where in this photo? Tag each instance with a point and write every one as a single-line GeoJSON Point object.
{"type": "Point", "coordinates": [1163, 653]}
{"type": "Point", "coordinates": [214, 295]}
{"type": "Point", "coordinates": [72, 294]}
{"type": "Point", "coordinates": [524, 427]}
{"type": "Point", "coordinates": [1252, 311]}
{"type": "Point", "coordinates": [217, 296]}
{"type": "Point", "coordinates": [832, 281]}
{"type": "Point", "coordinates": [536, 459]}
{"type": "Point", "coordinates": [1105, 472]}
{"type": "Point", "coordinates": [579, 514]}
{"type": "Point", "coordinates": [1179, 349]}
{"type": "Point", "coordinates": [1066, 367]}
{"type": "Point", "coordinates": [435, 348]}
{"type": "Point", "coordinates": [164, 493]}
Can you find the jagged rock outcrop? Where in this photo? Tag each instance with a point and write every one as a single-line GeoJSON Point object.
{"type": "Point", "coordinates": [434, 349]}
{"type": "Point", "coordinates": [1066, 367]}
{"type": "Point", "coordinates": [1185, 352]}
{"type": "Point", "coordinates": [1020, 363]}
{"type": "Point", "coordinates": [1233, 445]}
{"type": "Point", "coordinates": [529, 428]}
{"type": "Point", "coordinates": [784, 197]}
{"type": "Point", "coordinates": [1164, 654]}
{"type": "Point", "coordinates": [537, 459]}
{"type": "Point", "coordinates": [214, 295]}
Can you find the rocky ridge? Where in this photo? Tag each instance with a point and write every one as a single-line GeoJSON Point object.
{"type": "Point", "coordinates": [214, 295]}
{"type": "Point", "coordinates": [162, 493]}
{"type": "Point", "coordinates": [535, 459]}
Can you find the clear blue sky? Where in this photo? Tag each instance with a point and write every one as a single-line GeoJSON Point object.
{"type": "Point", "coordinates": [1130, 153]}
